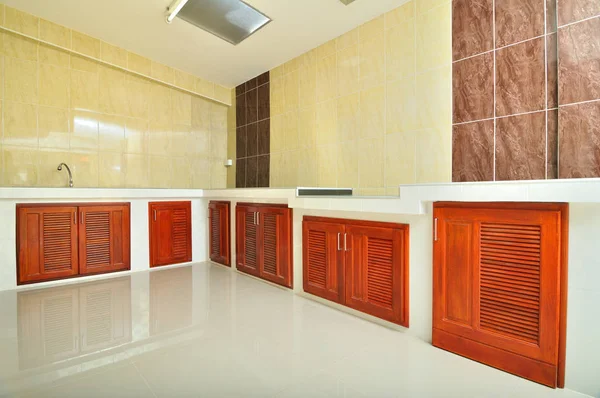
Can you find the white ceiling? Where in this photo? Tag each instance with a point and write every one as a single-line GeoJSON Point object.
{"type": "Point", "coordinates": [139, 26]}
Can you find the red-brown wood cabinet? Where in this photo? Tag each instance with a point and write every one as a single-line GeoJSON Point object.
{"type": "Point", "coordinates": [66, 240]}
{"type": "Point", "coordinates": [360, 264]}
{"type": "Point", "coordinates": [499, 293]}
{"type": "Point", "coordinates": [170, 232]}
{"type": "Point", "coordinates": [219, 235]}
{"type": "Point", "coordinates": [264, 242]}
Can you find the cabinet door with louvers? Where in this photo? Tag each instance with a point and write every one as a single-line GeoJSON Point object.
{"type": "Point", "coordinates": [274, 237]}
{"type": "Point", "coordinates": [497, 287]}
{"type": "Point", "coordinates": [246, 242]}
{"type": "Point", "coordinates": [375, 267]}
{"type": "Point", "coordinates": [323, 254]}
{"type": "Point", "coordinates": [170, 233]}
{"type": "Point", "coordinates": [104, 238]}
{"type": "Point", "coordinates": [46, 243]}
{"type": "Point", "coordinates": [219, 235]}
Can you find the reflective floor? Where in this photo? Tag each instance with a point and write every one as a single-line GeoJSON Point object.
{"type": "Point", "coordinates": [205, 331]}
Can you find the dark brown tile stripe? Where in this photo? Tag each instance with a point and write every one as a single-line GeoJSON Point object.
{"type": "Point", "coordinates": [518, 20]}
{"type": "Point", "coordinates": [473, 88]}
{"type": "Point", "coordinates": [472, 31]}
{"type": "Point", "coordinates": [552, 148]}
{"type": "Point", "coordinates": [473, 152]}
{"type": "Point", "coordinates": [570, 11]}
{"type": "Point", "coordinates": [579, 140]}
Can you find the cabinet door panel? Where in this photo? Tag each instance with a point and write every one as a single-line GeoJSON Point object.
{"type": "Point", "coordinates": [104, 238]}
{"type": "Point", "coordinates": [219, 235]}
{"type": "Point", "coordinates": [375, 272]}
{"type": "Point", "coordinates": [46, 243]}
{"type": "Point", "coordinates": [274, 256]}
{"type": "Point", "coordinates": [170, 233]}
{"type": "Point", "coordinates": [323, 258]}
{"type": "Point", "coordinates": [247, 240]}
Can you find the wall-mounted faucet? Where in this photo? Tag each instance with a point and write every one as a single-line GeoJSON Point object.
{"type": "Point", "coordinates": [60, 166]}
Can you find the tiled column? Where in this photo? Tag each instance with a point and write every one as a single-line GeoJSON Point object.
{"type": "Point", "coordinates": [579, 88]}
{"type": "Point", "coordinates": [504, 90]}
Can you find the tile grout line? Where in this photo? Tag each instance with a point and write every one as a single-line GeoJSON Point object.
{"type": "Point", "coordinates": [576, 22]}
{"type": "Point", "coordinates": [546, 79]}
{"type": "Point", "coordinates": [143, 377]}
{"type": "Point", "coordinates": [578, 103]}
{"type": "Point", "coordinates": [499, 48]}
{"type": "Point", "coordinates": [494, 54]}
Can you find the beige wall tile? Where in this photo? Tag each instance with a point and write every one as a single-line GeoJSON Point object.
{"type": "Point", "coordinates": [347, 39]}
{"type": "Point", "coordinates": [291, 91]}
{"type": "Point", "coordinates": [434, 155]}
{"type": "Point", "coordinates": [54, 86]}
{"type": "Point", "coordinates": [401, 106]}
{"type": "Point", "coordinates": [21, 21]}
{"type": "Point", "coordinates": [181, 137]}
{"type": "Point", "coordinates": [53, 128]}
{"type": "Point", "coordinates": [112, 91]}
{"type": "Point", "coordinates": [327, 123]}
{"type": "Point", "coordinates": [218, 174]}
{"type": "Point", "coordinates": [85, 169]}
{"type": "Point", "coordinates": [347, 70]}
{"type": "Point", "coordinates": [434, 38]}
{"type": "Point", "coordinates": [181, 107]}
{"type": "Point", "coordinates": [371, 159]}
{"type": "Point", "coordinates": [218, 118]}
{"type": "Point", "coordinates": [326, 49]}
{"type": "Point", "coordinates": [136, 136]}
{"type": "Point", "coordinates": [426, 5]}
{"type": "Point", "coordinates": [48, 175]}
{"type": "Point", "coordinates": [55, 33]}
{"type": "Point", "coordinates": [201, 114]}
{"type": "Point", "coordinates": [20, 124]}
{"type": "Point", "coordinates": [138, 64]}
{"type": "Point", "coordinates": [20, 166]}
{"type": "Point", "coordinates": [277, 72]}
{"type": "Point", "coordinates": [292, 65]}
{"type": "Point", "coordinates": [112, 170]}
{"type": "Point", "coordinates": [307, 167]}
{"type": "Point", "coordinates": [111, 133]}
{"type": "Point", "coordinates": [113, 54]}
{"type": "Point", "coordinates": [307, 128]}
{"type": "Point", "coordinates": [138, 93]}
{"type": "Point", "coordinates": [400, 158]}
{"type": "Point", "coordinates": [276, 170]}
{"type": "Point", "coordinates": [85, 44]}
{"type": "Point", "coordinates": [20, 47]}
{"type": "Point", "coordinates": [347, 164]}
{"type": "Point", "coordinates": [184, 80]}
{"type": "Point", "coordinates": [400, 15]}
{"type": "Point", "coordinates": [373, 28]}
{"type": "Point", "coordinates": [159, 139]}
{"type": "Point", "coordinates": [51, 56]}
{"type": "Point", "coordinates": [162, 72]}
{"type": "Point", "coordinates": [20, 80]}
{"type": "Point", "coordinates": [84, 130]}
{"type": "Point", "coordinates": [277, 88]}
{"type": "Point", "coordinates": [204, 87]}
{"type": "Point", "coordinates": [84, 64]}
{"type": "Point", "coordinates": [327, 165]}
{"type": "Point", "coordinates": [372, 112]}
{"type": "Point", "coordinates": [326, 78]}
{"type": "Point", "coordinates": [372, 61]}
{"type": "Point", "coordinates": [136, 170]}
{"type": "Point", "coordinates": [160, 171]}
{"type": "Point", "coordinates": [277, 142]}
{"type": "Point", "coordinates": [200, 144]}
{"type": "Point", "coordinates": [434, 98]}
{"type": "Point", "coordinates": [290, 131]}
{"type": "Point", "coordinates": [401, 51]}
{"type": "Point", "coordinates": [222, 94]}
{"type": "Point", "coordinates": [181, 173]}
{"type": "Point", "coordinates": [160, 104]}
{"type": "Point", "coordinates": [84, 91]}
{"type": "Point", "coordinates": [348, 116]}
{"type": "Point", "coordinates": [307, 92]}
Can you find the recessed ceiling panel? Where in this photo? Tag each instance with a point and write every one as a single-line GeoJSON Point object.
{"type": "Point", "coordinates": [231, 20]}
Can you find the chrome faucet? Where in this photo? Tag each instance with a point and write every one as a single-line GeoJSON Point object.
{"type": "Point", "coordinates": [60, 166]}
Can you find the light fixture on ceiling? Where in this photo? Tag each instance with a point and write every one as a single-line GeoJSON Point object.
{"type": "Point", "coordinates": [347, 2]}
{"type": "Point", "coordinates": [230, 20]}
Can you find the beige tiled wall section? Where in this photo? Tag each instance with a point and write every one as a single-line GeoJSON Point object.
{"type": "Point", "coordinates": [370, 109]}
{"type": "Point", "coordinates": [115, 129]}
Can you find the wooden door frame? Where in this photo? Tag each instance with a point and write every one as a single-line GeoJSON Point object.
{"type": "Point", "coordinates": [563, 208]}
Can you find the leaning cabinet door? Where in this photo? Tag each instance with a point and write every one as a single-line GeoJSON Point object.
{"type": "Point", "coordinates": [103, 238]}
{"type": "Point", "coordinates": [170, 233]}
{"type": "Point", "coordinates": [375, 272]}
{"type": "Point", "coordinates": [497, 287]}
{"type": "Point", "coordinates": [323, 258]}
{"type": "Point", "coordinates": [46, 243]}
{"type": "Point", "coordinates": [247, 249]}
{"type": "Point", "coordinates": [275, 256]}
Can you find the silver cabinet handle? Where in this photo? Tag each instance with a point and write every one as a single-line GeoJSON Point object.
{"type": "Point", "coordinates": [339, 248]}
{"type": "Point", "coordinates": [345, 247]}
{"type": "Point", "coordinates": [435, 228]}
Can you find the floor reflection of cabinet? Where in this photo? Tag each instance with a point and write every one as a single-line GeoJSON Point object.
{"type": "Point", "coordinates": [63, 323]}
{"type": "Point", "coordinates": [170, 311]}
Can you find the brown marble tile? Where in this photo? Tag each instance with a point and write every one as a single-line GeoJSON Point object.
{"type": "Point", "coordinates": [521, 147]}
{"type": "Point", "coordinates": [240, 142]}
{"type": "Point", "coordinates": [241, 89]}
{"type": "Point", "coordinates": [264, 102]}
{"type": "Point", "coordinates": [473, 88]}
{"type": "Point", "coordinates": [570, 11]}
{"type": "Point", "coordinates": [551, 17]}
{"type": "Point", "coordinates": [251, 106]}
{"type": "Point", "coordinates": [251, 172]}
{"type": "Point", "coordinates": [579, 62]}
{"type": "Point", "coordinates": [251, 84]}
{"type": "Point", "coordinates": [520, 78]}
{"type": "Point", "coordinates": [579, 140]}
{"type": "Point", "coordinates": [264, 137]}
{"type": "Point", "coordinates": [252, 139]}
{"type": "Point", "coordinates": [240, 173]}
{"type": "Point", "coordinates": [240, 110]}
{"type": "Point", "coordinates": [552, 148]}
{"type": "Point", "coordinates": [518, 20]}
{"type": "Point", "coordinates": [264, 166]}
{"type": "Point", "coordinates": [552, 60]}
{"type": "Point", "coordinates": [472, 27]}
{"type": "Point", "coordinates": [263, 79]}
{"type": "Point", "coordinates": [473, 151]}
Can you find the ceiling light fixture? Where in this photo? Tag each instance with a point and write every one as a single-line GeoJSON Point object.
{"type": "Point", "coordinates": [174, 9]}
{"type": "Point", "coordinates": [347, 2]}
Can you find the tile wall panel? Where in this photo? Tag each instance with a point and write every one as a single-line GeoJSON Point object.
{"type": "Point", "coordinates": [253, 132]}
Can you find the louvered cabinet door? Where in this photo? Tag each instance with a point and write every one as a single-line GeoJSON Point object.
{"type": "Point", "coordinates": [323, 259]}
{"type": "Point", "coordinates": [376, 272]}
{"type": "Point", "coordinates": [219, 235]}
{"type": "Point", "coordinates": [170, 233]}
{"type": "Point", "coordinates": [246, 242]}
{"type": "Point", "coordinates": [497, 288]}
{"type": "Point", "coordinates": [275, 246]}
{"type": "Point", "coordinates": [104, 238]}
{"type": "Point", "coordinates": [46, 243]}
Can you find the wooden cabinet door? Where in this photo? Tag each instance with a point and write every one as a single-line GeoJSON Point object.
{"type": "Point", "coordinates": [104, 238]}
{"type": "Point", "coordinates": [219, 235]}
{"type": "Point", "coordinates": [323, 259]}
{"type": "Point", "coordinates": [497, 287]}
{"type": "Point", "coordinates": [376, 272]}
{"type": "Point", "coordinates": [46, 243]}
{"type": "Point", "coordinates": [247, 240]}
{"type": "Point", "coordinates": [170, 233]}
{"type": "Point", "coordinates": [275, 245]}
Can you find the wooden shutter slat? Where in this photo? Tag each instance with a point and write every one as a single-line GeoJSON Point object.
{"type": "Point", "coordinates": [270, 255]}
